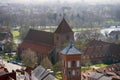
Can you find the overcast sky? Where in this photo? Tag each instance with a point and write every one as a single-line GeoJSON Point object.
{"type": "Point", "coordinates": [72, 1]}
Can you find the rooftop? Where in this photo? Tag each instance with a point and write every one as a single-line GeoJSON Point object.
{"type": "Point", "coordinates": [71, 49]}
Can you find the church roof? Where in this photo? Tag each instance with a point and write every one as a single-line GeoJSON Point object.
{"type": "Point", "coordinates": [70, 49]}
{"type": "Point", "coordinates": [36, 36]}
{"type": "Point", "coordinates": [63, 27]}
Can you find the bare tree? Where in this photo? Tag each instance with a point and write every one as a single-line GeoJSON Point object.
{"type": "Point", "coordinates": [29, 58]}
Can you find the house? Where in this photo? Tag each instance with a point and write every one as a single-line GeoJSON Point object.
{"type": "Point", "coordinates": [47, 44]}
{"type": "Point", "coordinates": [5, 38]}
{"type": "Point", "coordinates": [107, 73]}
{"type": "Point", "coordinates": [5, 75]}
{"type": "Point", "coordinates": [98, 51]}
{"type": "Point", "coordinates": [39, 73]}
{"type": "Point", "coordinates": [115, 35]}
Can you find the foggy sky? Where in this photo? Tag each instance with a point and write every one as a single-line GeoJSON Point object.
{"type": "Point", "coordinates": [62, 1]}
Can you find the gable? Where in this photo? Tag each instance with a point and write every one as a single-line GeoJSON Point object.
{"type": "Point", "coordinates": [63, 27]}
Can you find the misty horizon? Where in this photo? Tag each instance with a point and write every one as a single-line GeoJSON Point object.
{"type": "Point", "coordinates": [62, 1]}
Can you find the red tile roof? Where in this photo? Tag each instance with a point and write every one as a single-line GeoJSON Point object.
{"type": "Point", "coordinates": [63, 27]}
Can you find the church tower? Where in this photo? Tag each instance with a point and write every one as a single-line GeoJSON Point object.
{"type": "Point", "coordinates": [71, 63]}
{"type": "Point", "coordinates": [63, 35]}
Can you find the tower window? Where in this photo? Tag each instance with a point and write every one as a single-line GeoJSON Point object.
{"type": "Point", "coordinates": [77, 73]}
{"type": "Point", "coordinates": [73, 72]}
{"type": "Point", "coordinates": [69, 73]}
{"type": "Point", "coordinates": [78, 63]}
{"type": "Point", "coordinates": [73, 64]}
{"type": "Point", "coordinates": [69, 64]}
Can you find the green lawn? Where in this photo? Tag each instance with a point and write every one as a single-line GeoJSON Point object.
{"type": "Point", "coordinates": [101, 65]}
{"type": "Point", "coordinates": [83, 69]}
{"type": "Point", "coordinates": [84, 29]}
{"type": "Point", "coordinates": [59, 76]}
{"type": "Point", "coordinates": [15, 33]}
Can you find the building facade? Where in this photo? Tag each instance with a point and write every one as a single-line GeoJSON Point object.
{"type": "Point", "coordinates": [71, 63]}
{"type": "Point", "coordinates": [101, 52]}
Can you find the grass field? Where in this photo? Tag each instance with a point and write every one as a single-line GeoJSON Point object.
{"type": "Point", "coordinates": [84, 29]}
{"type": "Point", "coordinates": [15, 33]}
{"type": "Point", "coordinates": [83, 69]}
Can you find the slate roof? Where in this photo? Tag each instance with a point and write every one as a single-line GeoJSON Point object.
{"type": "Point", "coordinates": [95, 75]}
{"type": "Point", "coordinates": [63, 27]}
{"type": "Point", "coordinates": [105, 78]}
{"type": "Point", "coordinates": [42, 74]}
{"type": "Point", "coordinates": [36, 36]}
{"type": "Point", "coordinates": [50, 77]}
{"type": "Point", "coordinates": [38, 72]}
{"type": "Point", "coordinates": [70, 49]}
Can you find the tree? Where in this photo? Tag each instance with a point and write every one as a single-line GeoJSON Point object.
{"type": "Point", "coordinates": [57, 67]}
{"type": "Point", "coordinates": [46, 63]}
{"type": "Point", "coordinates": [86, 62]}
{"type": "Point", "coordinates": [29, 58]}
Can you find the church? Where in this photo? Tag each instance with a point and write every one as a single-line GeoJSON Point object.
{"type": "Point", "coordinates": [47, 44]}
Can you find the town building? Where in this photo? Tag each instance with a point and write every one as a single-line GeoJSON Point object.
{"type": "Point", "coordinates": [111, 72]}
{"type": "Point", "coordinates": [5, 75]}
{"type": "Point", "coordinates": [5, 39]}
{"type": "Point", "coordinates": [39, 73]}
{"type": "Point", "coordinates": [47, 44]}
{"type": "Point", "coordinates": [71, 63]}
{"type": "Point", "coordinates": [98, 51]}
